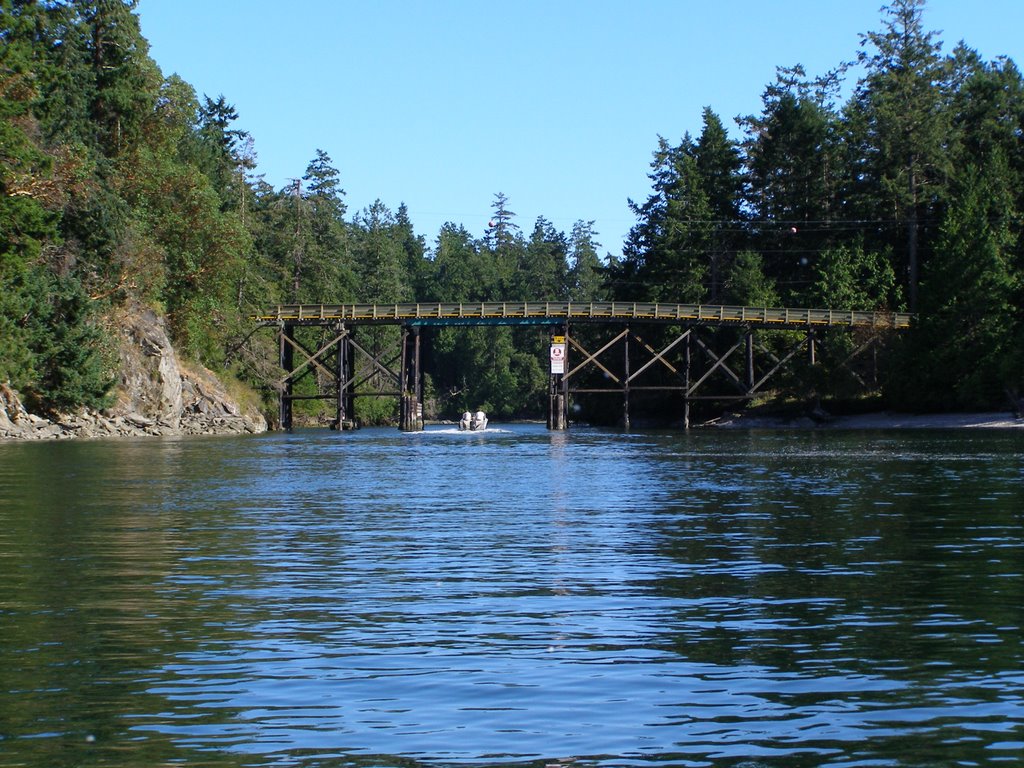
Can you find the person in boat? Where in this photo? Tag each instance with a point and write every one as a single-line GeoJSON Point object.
{"type": "Point", "coordinates": [473, 421]}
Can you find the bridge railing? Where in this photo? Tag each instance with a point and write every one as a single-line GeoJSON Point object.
{"type": "Point", "coordinates": [513, 311]}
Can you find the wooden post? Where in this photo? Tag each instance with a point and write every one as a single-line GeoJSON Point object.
{"type": "Point", "coordinates": [625, 381]}
{"type": "Point", "coordinates": [417, 382]}
{"type": "Point", "coordinates": [287, 358]}
{"type": "Point", "coordinates": [686, 385]}
{"type": "Point", "coordinates": [558, 381]}
{"type": "Point", "coordinates": [750, 360]}
{"type": "Point", "coordinates": [563, 411]}
{"type": "Point", "coordinates": [410, 417]}
{"type": "Point", "coordinates": [346, 411]}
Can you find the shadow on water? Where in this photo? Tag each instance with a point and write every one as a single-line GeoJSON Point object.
{"type": "Point", "coordinates": [514, 596]}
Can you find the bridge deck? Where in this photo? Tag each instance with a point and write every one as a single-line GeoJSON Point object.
{"type": "Point", "coordinates": [541, 312]}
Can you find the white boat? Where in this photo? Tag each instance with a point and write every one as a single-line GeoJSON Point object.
{"type": "Point", "coordinates": [473, 422]}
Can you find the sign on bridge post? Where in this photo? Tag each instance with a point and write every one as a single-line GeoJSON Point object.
{"type": "Point", "coordinates": [558, 355]}
{"type": "Point", "coordinates": [557, 411]}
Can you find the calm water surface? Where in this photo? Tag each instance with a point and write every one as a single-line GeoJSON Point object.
{"type": "Point", "coordinates": [514, 597]}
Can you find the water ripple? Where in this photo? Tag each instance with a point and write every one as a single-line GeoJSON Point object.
{"type": "Point", "coordinates": [589, 598]}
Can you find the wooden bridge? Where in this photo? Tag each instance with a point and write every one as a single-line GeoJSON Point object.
{"type": "Point", "coordinates": [333, 359]}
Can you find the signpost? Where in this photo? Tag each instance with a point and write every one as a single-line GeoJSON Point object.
{"type": "Point", "coordinates": [558, 358]}
{"type": "Point", "coordinates": [558, 388]}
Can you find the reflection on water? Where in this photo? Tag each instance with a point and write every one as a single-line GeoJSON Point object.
{"type": "Point", "coordinates": [378, 598]}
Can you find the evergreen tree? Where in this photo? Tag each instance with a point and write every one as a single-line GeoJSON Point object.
{"type": "Point", "coordinates": [899, 105]}
{"type": "Point", "coordinates": [504, 241]}
{"type": "Point", "coordinates": [50, 347]}
{"type": "Point", "coordinates": [586, 271]}
{"type": "Point", "coordinates": [414, 249]}
{"type": "Point", "coordinates": [968, 349]}
{"type": "Point", "coordinates": [848, 276]}
{"type": "Point", "coordinates": [26, 223]}
{"type": "Point", "coordinates": [748, 285]}
{"type": "Point", "coordinates": [461, 269]}
{"type": "Point", "coordinates": [220, 150]}
{"type": "Point", "coordinates": [988, 115]}
{"type": "Point", "coordinates": [664, 258]}
{"type": "Point", "coordinates": [718, 167]}
{"type": "Point", "coordinates": [793, 163]}
{"type": "Point", "coordinates": [379, 256]}
{"type": "Point", "coordinates": [327, 259]}
{"type": "Point", "coordinates": [100, 84]}
{"type": "Point", "coordinates": [543, 272]}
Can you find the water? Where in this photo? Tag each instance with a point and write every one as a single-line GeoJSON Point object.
{"type": "Point", "coordinates": [514, 597]}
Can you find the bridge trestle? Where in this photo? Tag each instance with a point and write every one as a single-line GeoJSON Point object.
{"type": "Point", "coordinates": [686, 357]}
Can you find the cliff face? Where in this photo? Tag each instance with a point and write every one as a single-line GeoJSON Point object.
{"type": "Point", "coordinates": [156, 395]}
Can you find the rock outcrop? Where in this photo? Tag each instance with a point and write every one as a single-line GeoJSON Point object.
{"type": "Point", "coordinates": [156, 394]}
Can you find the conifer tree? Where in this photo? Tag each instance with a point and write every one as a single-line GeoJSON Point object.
{"type": "Point", "coordinates": [586, 271]}
{"type": "Point", "coordinates": [504, 241]}
{"type": "Point", "coordinates": [379, 256]}
{"type": "Point", "coordinates": [664, 258]}
{"type": "Point", "coordinates": [899, 106]}
{"type": "Point", "coordinates": [718, 167]}
{"type": "Point", "coordinates": [542, 273]}
{"type": "Point", "coordinates": [968, 350]}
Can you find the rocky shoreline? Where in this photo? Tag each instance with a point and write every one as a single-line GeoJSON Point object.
{"type": "Point", "coordinates": [156, 394]}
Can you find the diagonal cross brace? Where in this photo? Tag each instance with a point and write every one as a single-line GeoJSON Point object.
{"type": "Point", "coordinates": [377, 364]}
{"type": "Point", "coordinates": [592, 358]}
{"type": "Point", "coordinates": [778, 364]}
{"type": "Point", "coordinates": [719, 363]}
{"type": "Point", "coordinates": [658, 357]}
{"type": "Point", "coordinates": [312, 359]}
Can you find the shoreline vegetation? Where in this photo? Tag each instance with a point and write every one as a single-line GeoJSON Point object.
{"type": "Point", "coordinates": [138, 239]}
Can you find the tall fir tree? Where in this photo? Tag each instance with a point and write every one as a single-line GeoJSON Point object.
{"type": "Point", "coordinates": [968, 350]}
{"type": "Point", "coordinates": [665, 254]}
{"type": "Point", "coordinates": [900, 108]}
{"type": "Point", "coordinates": [586, 270]}
{"type": "Point", "coordinates": [718, 165]}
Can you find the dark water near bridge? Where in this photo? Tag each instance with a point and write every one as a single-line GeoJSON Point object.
{"type": "Point", "coordinates": [517, 596]}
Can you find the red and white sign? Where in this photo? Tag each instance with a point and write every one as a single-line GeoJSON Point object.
{"type": "Point", "coordinates": [558, 358]}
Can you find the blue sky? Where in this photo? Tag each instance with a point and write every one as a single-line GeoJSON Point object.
{"type": "Point", "coordinates": [558, 104]}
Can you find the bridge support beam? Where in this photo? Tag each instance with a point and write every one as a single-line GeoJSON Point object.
{"type": "Point", "coordinates": [558, 382]}
{"type": "Point", "coordinates": [688, 361]}
{"type": "Point", "coordinates": [286, 342]}
{"type": "Point", "coordinates": [346, 411]}
{"type": "Point", "coordinates": [410, 417]}
{"type": "Point", "coordinates": [625, 381]}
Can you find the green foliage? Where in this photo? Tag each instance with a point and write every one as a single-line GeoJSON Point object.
{"type": "Point", "coordinates": [117, 185]}
{"type": "Point", "coordinates": [51, 347]}
{"type": "Point", "coordinates": [379, 251]}
{"type": "Point", "coordinates": [900, 106]}
{"type": "Point", "coordinates": [969, 348]}
{"type": "Point", "coordinates": [543, 271]}
{"type": "Point", "coordinates": [664, 255]}
{"type": "Point", "coordinates": [747, 284]}
{"type": "Point", "coordinates": [75, 360]}
{"type": "Point", "coordinates": [461, 270]}
{"type": "Point", "coordinates": [586, 270]}
{"type": "Point", "coordinates": [849, 276]}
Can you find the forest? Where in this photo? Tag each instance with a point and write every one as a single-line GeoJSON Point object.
{"type": "Point", "coordinates": [893, 182]}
